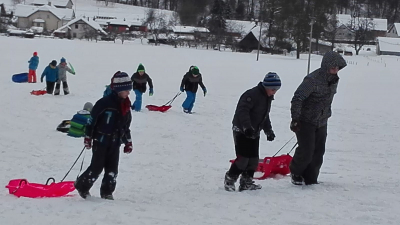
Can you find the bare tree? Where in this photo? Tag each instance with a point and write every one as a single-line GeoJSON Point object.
{"type": "Point", "coordinates": [156, 22]}
{"type": "Point", "coordinates": [361, 29]}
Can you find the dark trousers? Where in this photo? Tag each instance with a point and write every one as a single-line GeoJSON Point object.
{"type": "Point", "coordinates": [247, 155]}
{"type": "Point", "coordinates": [50, 87]}
{"type": "Point", "coordinates": [104, 157]}
{"type": "Point", "coordinates": [309, 155]}
{"type": "Point", "coordinates": [58, 86]}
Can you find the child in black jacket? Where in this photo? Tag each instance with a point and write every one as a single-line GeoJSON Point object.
{"type": "Point", "coordinates": [108, 127]}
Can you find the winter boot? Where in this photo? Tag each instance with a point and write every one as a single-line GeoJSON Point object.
{"type": "Point", "coordinates": [83, 194]}
{"type": "Point", "coordinates": [107, 197]}
{"type": "Point", "coordinates": [247, 183]}
{"type": "Point", "coordinates": [229, 182]}
{"type": "Point", "coordinates": [297, 179]}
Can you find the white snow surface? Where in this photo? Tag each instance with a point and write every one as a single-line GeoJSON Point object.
{"type": "Point", "coordinates": [175, 173]}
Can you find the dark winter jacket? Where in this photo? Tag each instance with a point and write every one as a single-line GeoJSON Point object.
{"type": "Point", "coordinates": [139, 82]}
{"type": "Point", "coordinates": [51, 73]}
{"type": "Point", "coordinates": [191, 83]}
{"type": "Point", "coordinates": [253, 110]}
{"type": "Point", "coordinates": [312, 100]}
{"type": "Point", "coordinates": [107, 124]}
{"type": "Point", "coordinates": [33, 63]}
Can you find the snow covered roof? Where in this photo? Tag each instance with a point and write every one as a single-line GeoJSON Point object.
{"type": "Point", "coordinates": [53, 2]}
{"type": "Point", "coordinates": [91, 23]}
{"type": "Point", "coordinates": [27, 10]}
{"type": "Point", "coordinates": [389, 44]}
{"type": "Point", "coordinates": [240, 26]}
{"type": "Point", "coordinates": [119, 22]}
{"type": "Point", "coordinates": [189, 29]}
{"type": "Point", "coordinates": [397, 26]}
{"type": "Point", "coordinates": [38, 20]}
{"type": "Point", "coordinates": [379, 24]}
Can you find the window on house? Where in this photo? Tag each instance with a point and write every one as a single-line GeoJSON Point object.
{"type": "Point", "coordinates": [74, 35]}
{"type": "Point", "coordinates": [76, 26]}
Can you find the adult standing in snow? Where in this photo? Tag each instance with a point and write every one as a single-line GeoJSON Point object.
{"type": "Point", "coordinates": [140, 80]}
{"type": "Point", "coordinates": [62, 77]}
{"type": "Point", "coordinates": [251, 116]}
{"type": "Point", "coordinates": [108, 127]}
{"type": "Point", "coordinates": [311, 108]}
{"type": "Point", "coordinates": [33, 65]}
{"type": "Point", "coordinates": [190, 83]}
{"type": "Point", "coordinates": [51, 74]}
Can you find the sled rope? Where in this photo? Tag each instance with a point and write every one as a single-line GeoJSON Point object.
{"type": "Point", "coordinates": [173, 99]}
{"type": "Point", "coordinates": [284, 146]}
{"type": "Point", "coordinates": [74, 164]}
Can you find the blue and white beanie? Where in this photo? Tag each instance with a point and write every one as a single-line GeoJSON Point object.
{"type": "Point", "coordinates": [121, 82]}
{"type": "Point", "coordinates": [272, 81]}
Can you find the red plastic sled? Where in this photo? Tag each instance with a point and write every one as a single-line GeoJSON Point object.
{"type": "Point", "coordinates": [38, 92]}
{"type": "Point", "coordinates": [22, 188]}
{"type": "Point", "coordinates": [162, 108]}
{"type": "Point", "coordinates": [271, 166]}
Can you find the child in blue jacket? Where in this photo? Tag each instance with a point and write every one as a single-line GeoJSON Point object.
{"type": "Point", "coordinates": [51, 74]}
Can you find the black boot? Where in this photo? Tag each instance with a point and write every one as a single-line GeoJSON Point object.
{"type": "Point", "coordinates": [247, 183]}
{"type": "Point", "coordinates": [83, 193]}
{"type": "Point", "coordinates": [229, 182]}
{"type": "Point", "coordinates": [107, 197]}
{"type": "Point", "coordinates": [297, 179]}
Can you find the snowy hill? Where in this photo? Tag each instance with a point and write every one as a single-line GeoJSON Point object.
{"type": "Point", "coordinates": [175, 174]}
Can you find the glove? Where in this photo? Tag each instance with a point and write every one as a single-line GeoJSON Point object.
{"type": "Point", "coordinates": [151, 92]}
{"type": "Point", "coordinates": [270, 135]}
{"type": "Point", "coordinates": [295, 126]}
{"type": "Point", "coordinates": [88, 142]}
{"type": "Point", "coordinates": [41, 80]}
{"type": "Point", "coordinates": [128, 148]}
{"type": "Point", "coordinates": [249, 132]}
{"type": "Point", "coordinates": [205, 92]}
{"type": "Point", "coordinates": [182, 90]}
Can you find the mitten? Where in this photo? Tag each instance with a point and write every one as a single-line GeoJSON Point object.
{"type": "Point", "coordinates": [128, 148]}
{"type": "Point", "coordinates": [182, 90]}
{"type": "Point", "coordinates": [295, 126]}
{"type": "Point", "coordinates": [270, 135]}
{"type": "Point", "coordinates": [151, 92]}
{"type": "Point", "coordinates": [88, 142]}
{"type": "Point", "coordinates": [249, 132]}
{"type": "Point", "coordinates": [205, 92]}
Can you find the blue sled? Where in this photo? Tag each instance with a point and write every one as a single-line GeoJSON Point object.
{"type": "Point", "coordinates": [20, 78]}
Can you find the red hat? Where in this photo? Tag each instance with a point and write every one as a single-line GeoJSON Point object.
{"type": "Point", "coordinates": [35, 53]}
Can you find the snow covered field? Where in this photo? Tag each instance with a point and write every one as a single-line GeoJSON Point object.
{"type": "Point", "coordinates": [175, 174]}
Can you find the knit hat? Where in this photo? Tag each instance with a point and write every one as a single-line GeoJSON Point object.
{"type": "Point", "coordinates": [53, 63]}
{"type": "Point", "coordinates": [35, 54]}
{"type": "Point", "coordinates": [140, 68]}
{"type": "Point", "coordinates": [121, 82]}
{"type": "Point", "coordinates": [195, 70]}
{"type": "Point", "coordinates": [88, 106]}
{"type": "Point", "coordinates": [272, 81]}
{"type": "Point", "coordinates": [63, 60]}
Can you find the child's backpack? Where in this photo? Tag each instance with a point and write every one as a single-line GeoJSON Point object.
{"type": "Point", "coordinates": [78, 124]}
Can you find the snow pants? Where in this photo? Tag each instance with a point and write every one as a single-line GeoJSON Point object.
{"type": "Point", "coordinates": [32, 76]}
{"type": "Point", "coordinates": [308, 158]}
{"type": "Point", "coordinates": [50, 87]}
{"type": "Point", "coordinates": [104, 157]}
{"type": "Point", "coordinates": [189, 101]}
{"type": "Point", "coordinates": [138, 100]}
{"type": "Point", "coordinates": [247, 156]}
{"type": "Point", "coordinates": [58, 86]}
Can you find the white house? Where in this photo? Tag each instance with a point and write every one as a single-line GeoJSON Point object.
{"type": "Point", "coordinates": [394, 31]}
{"type": "Point", "coordinates": [388, 46]}
{"type": "Point", "coordinates": [48, 17]}
{"type": "Point", "coordinates": [80, 28]}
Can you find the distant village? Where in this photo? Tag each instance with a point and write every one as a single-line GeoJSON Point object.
{"type": "Point", "coordinates": [57, 18]}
